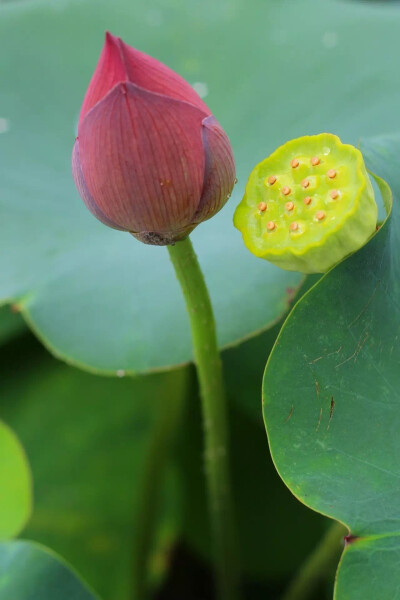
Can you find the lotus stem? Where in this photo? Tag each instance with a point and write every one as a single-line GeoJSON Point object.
{"type": "Point", "coordinates": [215, 417]}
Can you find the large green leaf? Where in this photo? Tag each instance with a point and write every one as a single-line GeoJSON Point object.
{"type": "Point", "coordinates": [332, 405]}
{"type": "Point", "coordinates": [273, 70]}
{"type": "Point", "coordinates": [15, 485]}
{"type": "Point", "coordinates": [370, 569]}
{"type": "Point", "coordinates": [31, 572]}
{"type": "Point", "coordinates": [89, 440]}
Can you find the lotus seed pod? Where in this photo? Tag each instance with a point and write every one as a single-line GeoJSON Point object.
{"type": "Point", "coordinates": [308, 205]}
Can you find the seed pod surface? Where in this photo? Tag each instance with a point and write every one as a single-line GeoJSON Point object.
{"type": "Point", "coordinates": [322, 210]}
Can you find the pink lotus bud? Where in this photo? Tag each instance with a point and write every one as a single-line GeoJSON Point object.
{"type": "Point", "coordinates": [149, 157]}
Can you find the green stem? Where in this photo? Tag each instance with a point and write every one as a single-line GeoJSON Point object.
{"type": "Point", "coordinates": [317, 565]}
{"type": "Point", "coordinates": [155, 461]}
{"type": "Point", "coordinates": [212, 392]}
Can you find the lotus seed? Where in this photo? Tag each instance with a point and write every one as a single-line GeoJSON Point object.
{"type": "Point", "coordinates": [331, 173]}
{"type": "Point", "coordinates": [286, 190]}
{"type": "Point", "coordinates": [294, 226]}
{"type": "Point", "coordinates": [271, 180]}
{"type": "Point", "coordinates": [289, 206]}
{"type": "Point", "coordinates": [262, 206]}
{"type": "Point", "coordinates": [315, 161]}
{"type": "Point", "coordinates": [270, 225]}
{"type": "Point", "coordinates": [295, 163]}
{"type": "Point", "coordinates": [334, 194]}
{"type": "Point", "coordinates": [320, 215]}
{"type": "Point", "coordinates": [305, 183]}
{"type": "Point", "coordinates": [307, 200]}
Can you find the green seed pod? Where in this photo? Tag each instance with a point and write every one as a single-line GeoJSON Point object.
{"type": "Point", "coordinates": [308, 205]}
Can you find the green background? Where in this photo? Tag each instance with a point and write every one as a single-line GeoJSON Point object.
{"type": "Point", "coordinates": [100, 300]}
{"type": "Point", "coordinates": [273, 70]}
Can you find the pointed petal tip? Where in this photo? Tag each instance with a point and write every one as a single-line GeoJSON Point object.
{"type": "Point", "coordinates": [112, 40]}
{"type": "Point", "coordinates": [120, 62]}
{"type": "Point", "coordinates": [148, 72]}
{"type": "Point", "coordinates": [108, 72]}
{"type": "Point", "coordinates": [125, 52]}
{"type": "Point", "coordinates": [113, 46]}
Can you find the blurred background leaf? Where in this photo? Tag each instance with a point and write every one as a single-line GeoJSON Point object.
{"type": "Point", "coordinates": [332, 402]}
{"type": "Point", "coordinates": [88, 439]}
{"type": "Point", "coordinates": [11, 324]}
{"type": "Point", "coordinates": [15, 485]}
{"type": "Point", "coordinates": [96, 297]}
{"type": "Point", "coordinates": [275, 531]}
{"type": "Point", "coordinates": [29, 571]}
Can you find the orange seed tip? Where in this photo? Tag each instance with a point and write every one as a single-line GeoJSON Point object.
{"type": "Point", "coordinates": [320, 215]}
{"type": "Point", "coordinates": [271, 179]}
{"type": "Point", "coordinates": [262, 206]}
{"type": "Point", "coordinates": [294, 226]}
{"type": "Point", "coordinates": [294, 163]}
{"type": "Point", "coordinates": [305, 183]}
{"type": "Point", "coordinates": [315, 161]}
{"type": "Point", "coordinates": [334, 194]}
{"type": "Point", "coordinates": [307, 200]}
{"type": "Point", "coordinates": [331, 173]}
{"type": "Point", "coordinates": [271, 225]}
{"type": "Point", "coordinates": [289, 206]}
{"type": "Point", "coordinates": [286, 190]}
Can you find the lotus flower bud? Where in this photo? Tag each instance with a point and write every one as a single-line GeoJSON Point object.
{"type": "Point", "coordinates": [149, 158]}
{"type": "Point", "coordinates": [308, 205]}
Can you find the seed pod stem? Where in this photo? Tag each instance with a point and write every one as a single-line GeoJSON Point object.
{"type": "Point", "coordinates": [214, 409]}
